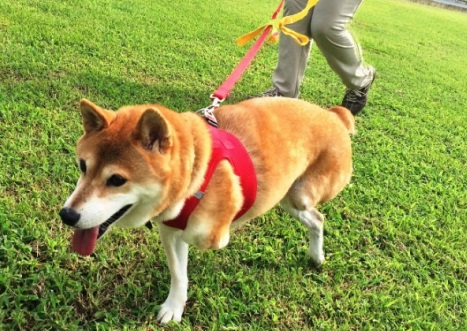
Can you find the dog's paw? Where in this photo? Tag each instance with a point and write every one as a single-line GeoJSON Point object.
{"type": "Point", "coordinates": [170, 311]}
{"type": "Point", "coordinates": [205, 240]}
{"type": "Point", "coordinates": [317, 255]}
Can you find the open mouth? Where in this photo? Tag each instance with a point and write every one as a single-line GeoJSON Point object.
{"type": "Point", "coordinates": [84, 240]}
{"type": "Point", "coordinates": [115, 217]}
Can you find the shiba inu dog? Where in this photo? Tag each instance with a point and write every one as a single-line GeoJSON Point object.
{"type": "Point", "coordinates": [144, 162]}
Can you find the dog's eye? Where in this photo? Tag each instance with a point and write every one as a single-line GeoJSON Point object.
{"type": "Point", "coordinates": [116, 180]}
{"type": "Point", "coordinates": [82, 166]}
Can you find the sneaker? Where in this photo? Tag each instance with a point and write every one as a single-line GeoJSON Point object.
{"type": "Point", "coordinates": [355, 100]}
{"type": "Point", "coordinates": [272, 92]}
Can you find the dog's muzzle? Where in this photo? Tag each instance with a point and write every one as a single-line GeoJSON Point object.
{"type": "Point", "coordinates": [70, 217]}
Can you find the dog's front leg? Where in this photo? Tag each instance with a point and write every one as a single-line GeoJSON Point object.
{"type": "Point", "coordinates": [176, 251]}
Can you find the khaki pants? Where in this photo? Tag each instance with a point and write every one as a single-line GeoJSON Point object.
{"type": "Point", "coordinates": [326, 25]}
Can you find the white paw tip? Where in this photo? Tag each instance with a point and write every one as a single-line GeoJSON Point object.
{"type": "Point", "coordinates": [318, 258]}
{"type": "Point", "coordinates": [168, 313]}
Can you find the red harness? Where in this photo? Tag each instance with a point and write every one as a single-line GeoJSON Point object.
{"type": "Point", "coordinates": [225, 146]}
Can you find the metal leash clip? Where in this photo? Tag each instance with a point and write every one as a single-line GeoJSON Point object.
{"type": "Point", "coordinates": [208, 112]}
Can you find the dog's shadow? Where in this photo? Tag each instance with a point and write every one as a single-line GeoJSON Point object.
{"type": "Point", "coordinates": [133, 280]}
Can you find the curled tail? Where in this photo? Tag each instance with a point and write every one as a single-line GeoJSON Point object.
{"type": "Point", "coordinates": [345, 116]}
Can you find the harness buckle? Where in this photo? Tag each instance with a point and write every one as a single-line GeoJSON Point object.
{"type": "Point", "coordinates": [208, 112]}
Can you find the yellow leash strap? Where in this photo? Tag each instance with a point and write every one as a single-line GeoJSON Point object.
{"type": "Point", "coordinates": [279, 24]}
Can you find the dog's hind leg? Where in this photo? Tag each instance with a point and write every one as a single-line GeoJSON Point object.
{"type": "Point", "coordinates": [313, 220]}
{"type": "Point", "coordinates": [321, 182]}
{"type": "Point", "coordinates": [176, 251]}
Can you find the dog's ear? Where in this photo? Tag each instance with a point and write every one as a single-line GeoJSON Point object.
{"type": "Point", "coordinates": [153, 131]}
{"type": "Point", "coordinates": [94, 117]}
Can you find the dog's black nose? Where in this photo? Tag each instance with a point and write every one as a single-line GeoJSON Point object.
{"type": "Point", "coordinates": [69, 216]}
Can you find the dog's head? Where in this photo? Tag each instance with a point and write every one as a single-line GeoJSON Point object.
{"type": "Point", "coordinates": [124, 160]}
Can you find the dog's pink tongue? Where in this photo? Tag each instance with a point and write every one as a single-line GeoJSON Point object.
{"type": "Point", "coordinates": [84, 241]}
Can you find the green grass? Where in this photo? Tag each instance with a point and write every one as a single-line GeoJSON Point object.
{"type": "Point", "coordinates": [395, 238]}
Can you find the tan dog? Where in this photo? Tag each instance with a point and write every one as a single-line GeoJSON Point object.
{"type": "Point", "coordinates": [142, 162]}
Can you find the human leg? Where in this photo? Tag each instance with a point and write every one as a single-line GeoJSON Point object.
{"type": "Point", "coordinates": [343, 54]}
{"type": "Point", "coordinates": [292, 58]}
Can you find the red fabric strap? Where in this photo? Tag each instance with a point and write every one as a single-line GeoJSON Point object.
{"type": "Point", "coordinates": [224, 90]}
{"type": "Point", "coordinates": [225, 146]}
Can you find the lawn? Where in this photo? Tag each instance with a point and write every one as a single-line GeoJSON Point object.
{"type": "Point", "coordinates": [395, 238]}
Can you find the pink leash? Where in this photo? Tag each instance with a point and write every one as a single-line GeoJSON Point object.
{"type": "Point", "coordinates": [224, 90]}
